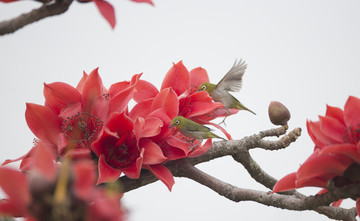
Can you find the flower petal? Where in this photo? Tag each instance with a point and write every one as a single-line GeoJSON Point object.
{"type": "Point", "coordinates": [133, 171]}
{"type": "Point", "coordinates": [43, 122]}
{"type": "Point", "coordinates": [351, 112]}
{"type": "Point", "coordinates": [197, 77]}
{"type": "Point", "coordinates": [119, 122]}
{"type": "Point", "coordinates": [332, 128]}
{"type": "Point", "coordinates": [81, 83]}
{"type": "Point", "coordinates": [153, 153]}
{"type": "Point", "coordinates": [12, 208]}
{"type": "Point", "coordinates": [285, 184]}
{"type": "Point", "coordinates": [78, 154]}
{"type": "Point", "coordinates": [118, 87]}
{"type": "Point", "coordinates": [140, 1]}
{"type": "Point", "coordinates": [167, 100]}
{"type": "Point", "coordinates": [9, 1]}
{"type": "Point", "coordinates": [314, 181]}
{"type": "Point", "coordinates": [107, 11]}
{"type": "Point", "coordinates": [358, 206]}
{"type": "Point", "coordinates": [163, 174]}
{"type": "Point", "coordinates": [106, 172]}
{"type": "Point", "coordinates": [318, 165]}
{"type": "Point", "coordinates": [44, 161]}
{"type": "Point", "coordinates": [199, 150]}
{"type": "Point", "coordinates": [318, 137]}
{"type": "Point", "coordinates": [85, 178]}
{"type": "Point", "coordinates": [349, 150]}
{"type": "Point", "coordinates": [144, 91]}
{"type": "Point", "coordinates": [27, 155]}
{"type": "Point", "coordinates": [177, 142]}
{"type": "Point", "coordinates": [58, 95]}
{"type": "Point", "coordinates": [336, 113]}
{"type": "Point", "coordinates": [177, 78]}
{"type": "Point", "coordinates": [121, 100]}
{"type": "Point", "coordinates": [337, 203]}
{"type": "Point", "coordinates": [148, 127]}
{"type": "Point", "coordinates": [93, 89]}
{"type": "Point", "coordinates": [141, 109]}
{"type": "Point", "coordinates": [199, 103]}
{"type": "Point", "coordinates": [15, 184]}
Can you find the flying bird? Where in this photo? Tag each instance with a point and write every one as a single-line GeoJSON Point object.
{"type": "Point", "coordinates": [232, 81]}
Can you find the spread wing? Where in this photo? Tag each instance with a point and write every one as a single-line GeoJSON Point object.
{"type": "Point", "coordinates": [232, 81]}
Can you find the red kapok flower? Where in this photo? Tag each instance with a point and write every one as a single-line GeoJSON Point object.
{"type": "Point", "coordinates": [337, 150]}
{"type": "Point", "coordinates": [72, 118]}
{"type": "Point", "coordinates": [117, 150]}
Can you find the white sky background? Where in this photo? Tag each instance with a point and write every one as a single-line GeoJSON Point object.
{"type": "Point", "coordinates": [304, 54]}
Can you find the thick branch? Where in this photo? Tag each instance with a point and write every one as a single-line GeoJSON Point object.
{"type": "Point", "coordinates": [46, 10]}
{"type": "Point", "coordinates": [318, 202]}
{"type": "Point", "coordinates": [239, 150]}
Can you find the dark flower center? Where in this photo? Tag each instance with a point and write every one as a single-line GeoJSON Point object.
{"type": "Point", "coordinates": [122, 152]}
{"type": "Point", "coordinates": [81, 129]}
{"type": "Point", "coordinates": [352, 135]}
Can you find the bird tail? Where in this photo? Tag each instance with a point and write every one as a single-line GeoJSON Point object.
{"type": "Point", "coordinates": [239, 106]}
{"type": "Point", "coordinates": [216, 136]}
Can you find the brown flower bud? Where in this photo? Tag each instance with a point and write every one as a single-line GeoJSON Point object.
{"type": "Point", "coordinates": [278, 113]}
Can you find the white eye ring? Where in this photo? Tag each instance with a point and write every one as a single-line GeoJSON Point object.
{"type": "Point", "coordinates": [203, 87]}
{"type": "Point", "coordinates": [177, 122]}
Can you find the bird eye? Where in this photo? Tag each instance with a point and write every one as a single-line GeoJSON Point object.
{"type": "Point", "coordinates": [203, 88]}
{"type": "Point", "coordinates": [177, 122]}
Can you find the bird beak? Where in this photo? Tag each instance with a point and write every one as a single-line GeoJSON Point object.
{"type": "Point", "coordinates": [171, 126]}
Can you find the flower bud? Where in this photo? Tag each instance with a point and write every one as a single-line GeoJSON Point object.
{"type": "Point", "coordinates": [278, 113]}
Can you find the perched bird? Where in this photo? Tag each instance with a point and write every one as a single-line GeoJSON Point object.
{"type": "Point", "coordinates": [232, 81]}
{"type": "Point", "coordinates": [192, 129]}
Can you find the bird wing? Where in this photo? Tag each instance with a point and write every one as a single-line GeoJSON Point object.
{"type": "Point", "coordinates": [232, 81]}
{"type": "Point", "coordinates": [194, 127]}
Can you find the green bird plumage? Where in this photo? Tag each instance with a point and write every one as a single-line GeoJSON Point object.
{"type": "Point", "coordinates": [192, 129]}
{"type": "Point", "coordinates": [232, 81]}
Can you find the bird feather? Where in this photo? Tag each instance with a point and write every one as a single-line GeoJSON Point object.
{"type": "Point", "coordinates": [232, 81]}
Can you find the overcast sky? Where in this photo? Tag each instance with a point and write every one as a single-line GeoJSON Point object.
{"type": "Point", "coordinates": [303, 53]}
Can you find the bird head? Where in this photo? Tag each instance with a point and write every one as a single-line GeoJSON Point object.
{"type": "Point", "coordinates": [178, 122]}
{"type": "Point", "coordinates": [206, 86]}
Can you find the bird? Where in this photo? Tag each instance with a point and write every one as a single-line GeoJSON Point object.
{"type": "Point", "coordinates": [192, 129]}
{"type": "Point", "coordinates": [232, 81]}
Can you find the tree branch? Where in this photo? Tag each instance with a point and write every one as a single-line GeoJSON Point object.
{"type": "Point", "coordinates": [46, 10]}
{"type": "Point", "coordinates": [318, 203]}
{"type": "Point", "coordinates": [239, 150]}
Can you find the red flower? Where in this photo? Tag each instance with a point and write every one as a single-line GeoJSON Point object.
{"type": "Point", "coordinates": [31, 195]}
{"type": "Point", "coordinates": [117, 150]}
{"type": "Point", "coordinates": [72, 117]}
{"type": "Point", "coordinates": [337, 149]}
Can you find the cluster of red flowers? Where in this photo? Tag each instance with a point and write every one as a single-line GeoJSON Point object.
{"type": "Point", "coordinates": [336, 156]}
{"type": "Point", "coordinates": [90, 125]}
{"type": "Point", "coordinates": [104, 7]}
